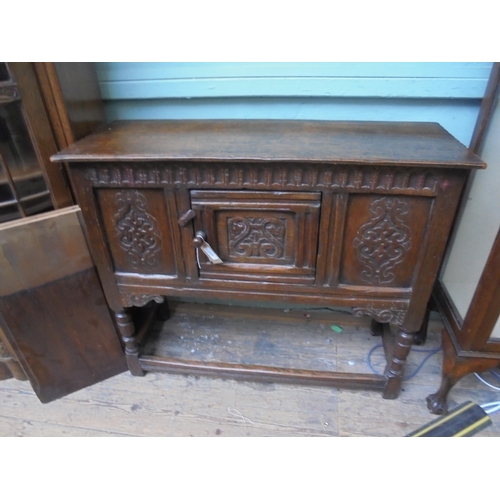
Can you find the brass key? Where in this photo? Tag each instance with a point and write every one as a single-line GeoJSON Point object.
{"type": "Point", "coordinates": [200, 242]}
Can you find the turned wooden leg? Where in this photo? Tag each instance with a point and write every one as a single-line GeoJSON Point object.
{"type": "Point", "coordinates": [395, 368]}
{"type": "Point", "coordinates": [127, 331]}
{"type": "Point", "coordinates": [455, 367]}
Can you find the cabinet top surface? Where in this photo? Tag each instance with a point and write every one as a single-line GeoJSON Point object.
{"type": "Point", "coordinates": [388, 143]}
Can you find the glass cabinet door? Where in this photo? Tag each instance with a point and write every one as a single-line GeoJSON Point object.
{"type": "Point", "coordinates": [23, 190]}
{"type": "Point", "coordinates": [478, 226]}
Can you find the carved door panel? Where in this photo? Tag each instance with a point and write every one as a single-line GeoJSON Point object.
{"type": "Point", "coordinates": [259, 236]}
{"type": "Point", "coordinates": [383, 239]}
{"type": "Point", "coordinates": [141, 231]}
{"type": "Point", "coordinates": [52, 310]}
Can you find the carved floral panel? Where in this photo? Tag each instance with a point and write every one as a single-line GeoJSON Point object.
{"type": "Point", "coordinates": [136, 229]}
{"type": "Point", "coordinates": [256, 237]}
{"type": "Point", "coordinates": [382, 243]}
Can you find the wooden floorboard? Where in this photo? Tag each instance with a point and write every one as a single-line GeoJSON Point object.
{"type": "Point", "coordinates": [161, 404]}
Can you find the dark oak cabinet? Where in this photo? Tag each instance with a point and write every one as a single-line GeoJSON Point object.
{"type": "Point", "coordinates": [337, 214]}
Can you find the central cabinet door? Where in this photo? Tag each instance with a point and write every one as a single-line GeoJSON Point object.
{"type": "Point", "coordinates": [258, 235]}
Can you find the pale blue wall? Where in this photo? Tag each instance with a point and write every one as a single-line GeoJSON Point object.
{"type": "Point", "coordinates": [448, 93]}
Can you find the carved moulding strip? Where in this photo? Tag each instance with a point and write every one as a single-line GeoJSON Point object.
{"type": "Point", "coordinates": [139, 300]}
{"type": "Point", "coordinates": [393, 314]}
{"type": "Point", "coordinates": [136, 229]}
{"type": "Point", "coordinates": [383, 242]}
{"type": "Point", "coordinates": [269, 176]}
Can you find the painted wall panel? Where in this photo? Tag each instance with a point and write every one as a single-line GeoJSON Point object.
{"type": "Point", "coordinates": [456, 116]}
{"type": "Point", "coordinates": [447, 93]}
{"type": "Point", "coordinates": [445, 88]}
{"type": "Point", "coordinates": [118, 71]}
{"type": "Point", "coordinates": [191, 80]}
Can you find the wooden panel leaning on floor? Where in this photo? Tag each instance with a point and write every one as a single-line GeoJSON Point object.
{"type": "Point", "coordinates": [52, 312]}
{"type": "Point", "coordinates": [346, 214]}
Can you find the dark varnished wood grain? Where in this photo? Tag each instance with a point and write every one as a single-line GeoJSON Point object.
{"type": "Point", "coordinates": [380, 143]}
{"type": "Point", "coordinates": [263, 373]}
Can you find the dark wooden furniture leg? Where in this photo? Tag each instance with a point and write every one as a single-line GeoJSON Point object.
{"type": "Point", "coordinates": [455, 367]}
{"type": "Point", "coordinates": [395, 368]}
{"type": "Point", "coordinates": [127, 331]}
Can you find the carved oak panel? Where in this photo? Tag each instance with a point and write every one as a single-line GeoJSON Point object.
{"type": "Point", "coordinates": [256, 233]}
{"type": "Point", "coordinates": [139, 230]}
{"type": "Point", "coordinates": [256, 237]}
{"type": "Point", "coordinates": [383, 240]}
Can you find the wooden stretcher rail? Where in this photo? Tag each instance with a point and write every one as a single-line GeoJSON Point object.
{"type": "Point", "coordinates": [263, 373]}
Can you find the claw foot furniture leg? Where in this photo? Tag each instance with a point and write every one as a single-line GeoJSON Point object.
{"type": "Point", "coordinates": [455, 367]}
